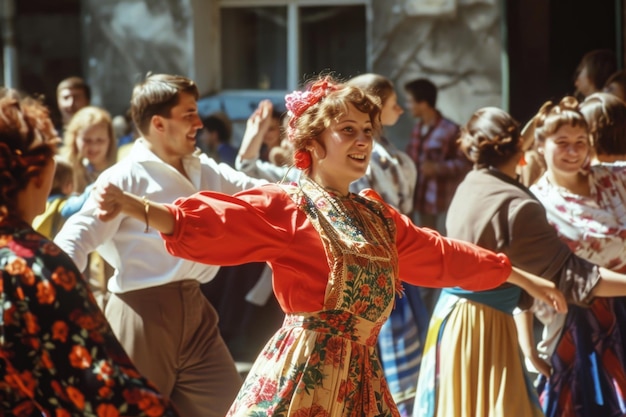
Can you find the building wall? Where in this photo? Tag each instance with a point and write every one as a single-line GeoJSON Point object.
{"type": "Point", "coordinates": [457, 44]}
{"type": "Point", "coordinates": [126, 39]}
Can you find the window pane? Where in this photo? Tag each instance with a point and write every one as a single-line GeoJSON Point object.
{"type": "Point", "coordinates": [332, 38]}
{"type": "Point", "coordinates": [254, 48]}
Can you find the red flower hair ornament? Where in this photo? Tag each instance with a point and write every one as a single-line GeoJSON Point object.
{"type": "Point", "coordinates": [298, 102]}
{"type": "Point", "coordinates": [302, 159]}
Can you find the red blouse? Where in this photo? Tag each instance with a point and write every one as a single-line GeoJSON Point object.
{"type": "Point", "coordinates": [265, 224]}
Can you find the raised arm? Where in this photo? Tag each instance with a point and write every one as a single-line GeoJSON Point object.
{"type": "Point", "coordinates": [256, 127]}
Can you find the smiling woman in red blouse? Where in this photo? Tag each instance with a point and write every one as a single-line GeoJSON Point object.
{"type": "Point", "coordinates": [338, 259]}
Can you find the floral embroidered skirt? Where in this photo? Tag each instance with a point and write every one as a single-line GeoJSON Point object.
{"type": "Point", "coordinates": [321, 364]}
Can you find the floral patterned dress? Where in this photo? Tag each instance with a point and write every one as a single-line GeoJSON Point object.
{"type": "Point", "coordinates": [325, 362]}
{"type": "Point", "coordinates": [589, 361]}
{"type": "Point", "coordinates": [58, 357]}
{"type": "Point", "coordinates": [336, 264]}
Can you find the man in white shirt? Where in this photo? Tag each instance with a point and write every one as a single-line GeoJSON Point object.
{"type": "Point", "coordinates": [156, 308]}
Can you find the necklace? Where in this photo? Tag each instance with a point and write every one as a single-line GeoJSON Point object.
{"type": "Point", "coordinates": [334, 197]}
{"type": "Point", "coordinates": [335, 193]}
{"type": "Point", "coordinates": [349, 220]}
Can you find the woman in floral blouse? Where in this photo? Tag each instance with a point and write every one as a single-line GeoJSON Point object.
{"type": "Point", "coordinates": [338, 259]}
{"type": "Point", "coordinates": [58, 356]}
{"type": "Point", "coordinates": [587, 207]}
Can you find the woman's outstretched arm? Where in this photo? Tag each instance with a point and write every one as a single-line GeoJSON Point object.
{"type": "Point", "coordinates": [539, 288]}
{"type": "Point", "coordinates": [112, 201]}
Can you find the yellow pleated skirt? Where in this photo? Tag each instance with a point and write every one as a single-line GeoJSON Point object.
{"type": "Point", "coordinates": [473, 367]}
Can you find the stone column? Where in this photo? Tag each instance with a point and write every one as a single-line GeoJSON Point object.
{"type": "Point", "coordinates": [126, 39]}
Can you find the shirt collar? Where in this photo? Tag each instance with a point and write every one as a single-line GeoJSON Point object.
{"type": "Point", "coordinates": [142, 154]}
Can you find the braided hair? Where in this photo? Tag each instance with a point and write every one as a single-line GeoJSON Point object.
{"type": "Point", "coordinates": [490, 138]}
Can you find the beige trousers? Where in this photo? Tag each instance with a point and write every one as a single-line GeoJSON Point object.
{"type": "Point", "coordinates": [170, 332]}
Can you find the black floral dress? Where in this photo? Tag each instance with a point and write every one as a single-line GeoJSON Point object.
{"type": "Point", "coordinates": [58, 356]}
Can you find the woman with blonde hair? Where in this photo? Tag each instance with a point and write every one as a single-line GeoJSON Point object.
{"type": "Point", "coordinates": [90, 145]}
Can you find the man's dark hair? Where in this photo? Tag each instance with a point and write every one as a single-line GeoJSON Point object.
{"type": "Point", "coordinates": [216, 123]}
{"type": "Point", "coordinates": [422, 90]}
{"type": "Point", "coordinates": [157, 95]}
{"type": "Point", "coordinates": [75, 83]}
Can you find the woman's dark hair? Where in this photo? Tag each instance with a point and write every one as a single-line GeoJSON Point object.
{"type": "Point", "coordinates": [600, 64]}
{"type": "Point", "coordinates": [552, 116]}
{"type": "Point", "coordinates": [606, 116]}
{"type": "Point", "coordinates": [28, 142]}
{"type": "Point", "coordinates": [490, 138]}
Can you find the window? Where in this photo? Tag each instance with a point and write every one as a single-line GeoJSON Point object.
{"type": "Point", "coordinates": [278, 44]}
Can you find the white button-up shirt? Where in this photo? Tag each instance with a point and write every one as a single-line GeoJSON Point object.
{"type": "Point", "coordinates": [140, 259]}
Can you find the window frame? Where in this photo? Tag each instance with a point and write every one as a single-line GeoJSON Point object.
{"type": "Point", "coordinates": [293, 23]}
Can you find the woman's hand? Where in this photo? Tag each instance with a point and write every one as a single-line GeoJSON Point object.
{"type": "Point", "coordinates": [524, 321]}
{"type": "Point", "coordinates": [539, 288]}
{"type": "Point", "coordinates": [256, 127]}
{"type": "Point", "coordinates": [545, 290]}
{"type": "Point", "coordinates": [109, 200]}
{"type": "Point", "coordinates": [540, 365]}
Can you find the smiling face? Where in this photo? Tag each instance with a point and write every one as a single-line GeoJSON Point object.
{"type": "Point", "coordinates": [566, 151]}
{"type": "Point", "coordinates": [93, 144]}
{"type": "Point", "coordinates": [343, 151]}
{"type": "Point", "coordinates": [175, 136]}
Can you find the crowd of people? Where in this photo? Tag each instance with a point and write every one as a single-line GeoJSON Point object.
{"type": "Point", "coordinates": [365, 279]}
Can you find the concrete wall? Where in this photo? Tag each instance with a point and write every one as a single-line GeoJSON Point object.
{"type": "Point", "coordinates": [128, 38]}
{"type": "Point", "coordinates": [457, 44]}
